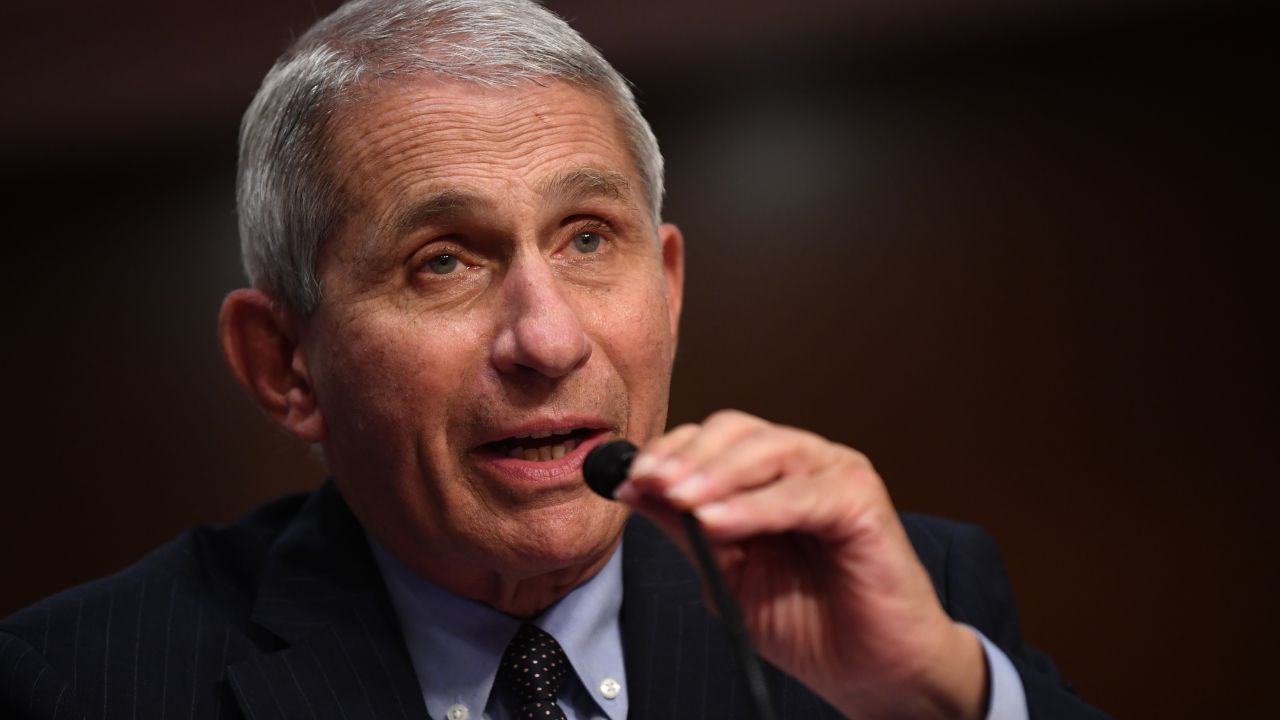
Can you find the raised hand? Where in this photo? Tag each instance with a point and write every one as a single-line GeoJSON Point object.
{"type": "Point", "coordinates": [815, 554]}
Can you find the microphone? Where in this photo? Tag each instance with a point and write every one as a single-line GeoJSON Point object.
{"type": "Point", "coordinates": [604, 469]}
{"type": "Point", "coordinates": [606, 466]}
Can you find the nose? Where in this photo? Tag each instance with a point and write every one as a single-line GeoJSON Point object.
{"type": "Point", "coordinates": [540, 330]}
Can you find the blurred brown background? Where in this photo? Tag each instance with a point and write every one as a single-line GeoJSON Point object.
{"type": "Point", "coordinates": [1019, 253]}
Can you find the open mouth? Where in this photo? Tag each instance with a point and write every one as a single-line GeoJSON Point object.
{"type": "Point", "coordinates": [541, 446]}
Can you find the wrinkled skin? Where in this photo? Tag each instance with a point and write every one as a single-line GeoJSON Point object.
{"type": "Point", "coordinates": [813, 550]}
{"type": "Point", "coordinates": [498, 276]}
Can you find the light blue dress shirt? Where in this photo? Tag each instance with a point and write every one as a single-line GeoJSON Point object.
{"type": "Point", "coordinates": [456, 646]}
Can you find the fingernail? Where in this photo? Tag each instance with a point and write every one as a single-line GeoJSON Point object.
{"type": "Point", "coordinates": [712, 513]}
{"type": "Point", "coordinates": [644, 464]}
{"type": "Point", "coordinates": [626, 493]}
{"type": "Point", "coordinates": [688, 490]}
{"type": "Point", "coordinates": [667, 469]}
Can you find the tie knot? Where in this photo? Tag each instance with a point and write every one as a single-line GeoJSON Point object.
{"type": "Point", "coordinates": [534, 666]}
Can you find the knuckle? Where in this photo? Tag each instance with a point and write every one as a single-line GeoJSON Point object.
{"type": "Point", "coordinates": [856, 465]}
{"type": "Point", "coordinates": [806, 437]}
{"type": "Point", "coordinates": [731, 417]}
{"type": "Point", "coordinates": [765, 434]}
{"type": "Point", "coordinates": [683, 430]}
{"type": "Point", "coordinates": [865, 480]}
{"type": "Point", "coordinates": [674, 438]}
{"type": "Point", "coordinates": [846, 456]}
{"type": "Point", "coordinates": [857, 458]}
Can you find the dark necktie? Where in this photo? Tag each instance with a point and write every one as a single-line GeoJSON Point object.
{"type": "Point", "coordinates": [534, 666]}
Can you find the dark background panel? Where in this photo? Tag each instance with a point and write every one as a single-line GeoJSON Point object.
{"type": "Point", "coordinates": [1020, 254]}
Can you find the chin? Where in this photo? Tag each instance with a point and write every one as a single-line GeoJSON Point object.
{"type": "Point", "coordinates": [563, 539]}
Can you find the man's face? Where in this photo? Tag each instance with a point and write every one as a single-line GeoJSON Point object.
{"type": "Point", "coordinates": [496, 302]}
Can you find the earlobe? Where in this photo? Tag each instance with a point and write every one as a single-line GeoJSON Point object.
{"type": "Point", "coordinates": [260, 341]}
{"type": "Point", "coordinates": [673, 270]}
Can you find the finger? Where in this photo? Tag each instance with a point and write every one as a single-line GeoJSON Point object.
{"type": "Point", "coordinates": [689, 451]}
{"type": "Point", "coordinates": [653, 455]}
{"type": "Point", "coordinates": [758, 457]}
{"type": "Point", "coordinates": [835, 505]}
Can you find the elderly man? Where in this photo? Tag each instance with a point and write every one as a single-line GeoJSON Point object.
{"type": "Point", "coordinates": [460, 285]}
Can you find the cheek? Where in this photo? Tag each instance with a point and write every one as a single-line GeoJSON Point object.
{"type": "Point", "coordinates": [635, 331]}
{"type": "Point", "coordinates": [651, 318]}
{"type": "Point", "coordinates": [633, 311]}
{"type": "Point", "coordinates": [394, 375]}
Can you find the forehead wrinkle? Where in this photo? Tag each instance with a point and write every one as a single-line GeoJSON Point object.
{"type": "Point", "coordinates": [396, 141]}
{"type": "Point", "coordinates": [383, 158]}
{"type": "Point", "coordinates": [449, 126]}
{"type": "Point", "coordinates": [588, 182]}
{"type": "Point", "coordinates": [453, 127]}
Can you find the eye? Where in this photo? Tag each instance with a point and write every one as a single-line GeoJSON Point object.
{"type": "Point", "coordinates": [587, 242]}
{"type": "Point", "coordinates": [442, 264]}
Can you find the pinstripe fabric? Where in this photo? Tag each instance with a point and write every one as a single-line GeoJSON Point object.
{"type": "Point", "coordinates": [283, 615]}
{"type": "Point", "coordinates": [679, 664]}
{"type": "Point", "coordinates": [144, 643]}
{"type": "Point", "coordinates": [969, 575]}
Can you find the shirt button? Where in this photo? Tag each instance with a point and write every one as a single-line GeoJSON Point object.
{"type": "Point", "coordinates": [458, 712]}
{"type": "Point", "coordinates": [610, 688]}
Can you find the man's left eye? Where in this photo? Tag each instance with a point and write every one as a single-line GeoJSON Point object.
{"type": "Point", "coordinates": [587, 242]}
{"type": "Point", "coordinates": [443, 264]}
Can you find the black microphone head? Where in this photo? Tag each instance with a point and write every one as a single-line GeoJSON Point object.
{"type": "Point", "coordinates": [606, 466]}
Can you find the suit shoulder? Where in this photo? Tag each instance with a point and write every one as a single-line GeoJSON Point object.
{"type": "Point", "coordinates": [965, 566]}
{"type": "Point", "coordinates": [938, 540]}
{"type": "Point", "coordinates": [931, 531]}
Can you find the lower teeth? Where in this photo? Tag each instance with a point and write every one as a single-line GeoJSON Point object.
{"type": "Point", "coordinates": [543, 453]}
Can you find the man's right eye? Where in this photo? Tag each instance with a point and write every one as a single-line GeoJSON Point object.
{"type": "Point", "coordinates": [443, 264]}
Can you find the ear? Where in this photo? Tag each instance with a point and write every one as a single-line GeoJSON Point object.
{"type": "Point", "coordinates": [673, 270]}
{"type": "Point", "coordinates": [260, 340]}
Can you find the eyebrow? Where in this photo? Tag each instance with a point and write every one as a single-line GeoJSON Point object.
{"type": "Point", "coordinates": [437, 207]}
{"type": "Point", "coordinates": [588, 182]}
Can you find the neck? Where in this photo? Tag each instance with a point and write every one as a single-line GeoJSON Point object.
{"type": "Point", "coordinates": [518, 596]}
{"type": "Point", "coordinates": [526, 597]}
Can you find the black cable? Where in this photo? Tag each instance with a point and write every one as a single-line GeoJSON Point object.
{"type": "Point", "coordinates": [604, 469]}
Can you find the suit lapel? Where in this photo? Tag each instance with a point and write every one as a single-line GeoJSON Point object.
{"type": "Point", "coordinates": [342, 654]}
{"type": "Point", "coordinates": [678, 662]}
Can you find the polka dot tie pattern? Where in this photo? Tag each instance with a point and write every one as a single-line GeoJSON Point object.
{"type": "Point", "coordinates": [535, 665]}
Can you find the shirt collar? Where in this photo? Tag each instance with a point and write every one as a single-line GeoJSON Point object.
{"type": "Point", "coordinates": [585, 623]}
{"type": "Point", "coordinates": [456, 644]}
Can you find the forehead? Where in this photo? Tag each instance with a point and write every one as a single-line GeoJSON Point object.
{"type": "Point", "coordinates": [407, 138]}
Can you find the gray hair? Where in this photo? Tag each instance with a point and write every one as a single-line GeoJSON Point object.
{"type": "Point", "coordinates": [289, 202]}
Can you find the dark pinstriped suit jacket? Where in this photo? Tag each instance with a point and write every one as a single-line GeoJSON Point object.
{"type": "Point", "coordinates": [284, 615]}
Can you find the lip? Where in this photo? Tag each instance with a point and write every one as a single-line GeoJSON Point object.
{"type": "Point", "coordinates": [542, 425]}
{"type": "Point", "coordinates": [560, 471]}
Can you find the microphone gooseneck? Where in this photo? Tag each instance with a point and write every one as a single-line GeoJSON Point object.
{"type": "Point", "coordinates": [604, 469]}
